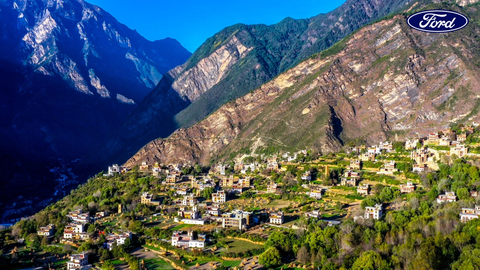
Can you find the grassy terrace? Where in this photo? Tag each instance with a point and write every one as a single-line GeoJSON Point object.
{"type": "Point", "coordinates": [236, 245]}
{"type": "Point", "coordinates": [155, 264]}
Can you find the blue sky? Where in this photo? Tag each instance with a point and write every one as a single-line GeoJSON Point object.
{"type": "Point", "coordinates": [192, 21]}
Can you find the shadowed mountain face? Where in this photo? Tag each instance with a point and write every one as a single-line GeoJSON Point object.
{"type": "Point", "coordinates": [384, 81]}
{"type": "Point", "coordinates": [70, 75]}
{"type": "Point", "coordinates": [234, 62]}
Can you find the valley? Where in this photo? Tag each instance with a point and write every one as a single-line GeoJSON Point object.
{"type": "Point", "coordinates": [347, 140]}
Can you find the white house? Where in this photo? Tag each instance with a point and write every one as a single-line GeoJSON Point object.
{"type": "Point", "coordinates": [47, 231]}
{"type": "Point", "coordinates": [307, 176]}
{"type": "Point", "coordinates": [315, 194]}
{"type": "Point", "coordinates": [118, 238]}
{"type": "Point", "coordinates": [219, 197]}
{"type": "Point", "coordinates": [447, 197]}
{"type": "Point", "coordinates": [78, 261]}
{"type": "Point", "coordinates": [114, 169]}
{"type": "Point", "coordinates": [374, 212]}
{"type": "Point", "coordinates": [179, 239]}
{"type": "Point", "coordinates": [467, 214]}
{"type": "Point", "coordinates": [276, 218]}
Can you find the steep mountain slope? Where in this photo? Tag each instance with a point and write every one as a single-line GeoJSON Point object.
{"type": "Point", "coordinates": [383, 80]}
{"type": "Point", "coordinates": [235, 61]}
{"type": "Point", "coordinates": [70, 74]}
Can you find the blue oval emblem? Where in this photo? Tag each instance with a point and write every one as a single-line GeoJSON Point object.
{"type": "Point", "coordinates": [437, 21]}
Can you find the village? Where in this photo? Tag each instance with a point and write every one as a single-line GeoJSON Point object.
{"type": "Point", "coordinates": [229, 210]}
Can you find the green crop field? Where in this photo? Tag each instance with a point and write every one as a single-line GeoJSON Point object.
{"type": "Point", "coordinates": [154, 264]}
{"type": "Point", "coordinates": [239, 245]}
{"type": "Point", "coordinates": [231, 263]}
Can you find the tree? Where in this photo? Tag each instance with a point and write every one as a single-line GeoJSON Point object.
{"type": "Point", "coordinates": [198, 169]}
{"type": "Point", "coordinates": [271, 257]}
{"type": "Point", "coordinates": [463, 193]}
{"type": "Point", "coordinates": [44, 242]}
{"type": "Point", "coordinates": [399, 146]}
{"type": "Point", "coordinates": [91, 228]}
{"type": "Point", "coordinates": [370, 260]}
{"type": "Point", "coordinates": [85, 247]}
{"type": "Point", "coordinates": [207, 192]}
{"type": "Point", "coordinates": [469, 259]}
{"type": "Point", "coordinates": [279, 240]}
{"type": "Point", "coordinates": [429, 256]}
{"type": "Point", "coordinates": [34, 240]}
{"type": "Point", "coordinates": [104, 254]}
{"type": "Point", "coordinates": [128, 245]}
{"type": "Point", "coordinates": [302, 255]}
{"type": "Point", "coordinates": [108, 265]}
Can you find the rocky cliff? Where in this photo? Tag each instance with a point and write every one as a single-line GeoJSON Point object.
{"type": "Point", "coordinates": [385, 79]}
{"type": "Point", "coordinates": [86, 47]}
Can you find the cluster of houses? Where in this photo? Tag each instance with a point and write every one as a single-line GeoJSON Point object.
{"type": "Point", "coordinates": [447, 197]}
{"type": "Point", "coordinates": [115, 169]}
{"type": "Point", "coordinates": [276, 218]}
{"type": "Point", "coordinates": [273, 187]}
{"type": "Point", "coordinates": [315, 192]}
{"type": "Point", "coordinates": [75, 230]}
{"type": "Point", "coordinates": [423, 153]}
{"type": "Point", "coordinates": [219, 197]}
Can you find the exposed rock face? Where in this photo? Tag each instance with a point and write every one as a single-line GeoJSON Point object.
{"type": "Point", "coordinates": [70, 38]}
{"type": "Point", "coordinates": [70, 75]}
{"type": "Point", "coordinates": [386, 79]}
{"type": "Point", "coordinates": [210, 70]}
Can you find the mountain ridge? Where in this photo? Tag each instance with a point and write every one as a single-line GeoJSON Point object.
{"type": "Point", "coordinates": [396, 81]}
{"type": "Point", "coordinates": [71, 74]}
{"type": "Point", "coordinates": [271, 49]}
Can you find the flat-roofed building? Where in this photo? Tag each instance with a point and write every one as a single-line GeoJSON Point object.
{"type": "Point", "coordinates": [447, 197]}
{"type": "Point", "coordinates": [276, 218]}
{"type": "Point", "coordinates": [407, 188]}
{"type": "Point", "coordinates": [238, 219]}
{"type": "Point", "coordinates": [78, 261]}
{"type": "Point", "coordinates": [363, 189]}
{"type": "Point", "coordinates": [219, 197]}
{"type": "Point", "coordinates": [147, 199]}
{"type": "Point", "coordinates": [47, 231]}
{"type": "Point", "coordinates": [467, 214]}
{"type": "Point", "coordinates": [374, 212]}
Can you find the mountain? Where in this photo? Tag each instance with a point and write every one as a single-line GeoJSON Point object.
{"type": "Point", "coordinates": [384, 81]}
{"type": "Point", "coordinates": [234, 62]}
{"type": "Point", "coordinates": [70, 75]}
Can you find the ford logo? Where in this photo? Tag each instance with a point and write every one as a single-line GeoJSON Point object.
{"type": "Point", "coordinates": [437, 21]}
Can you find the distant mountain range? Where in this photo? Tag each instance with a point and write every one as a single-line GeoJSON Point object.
{"type": "Point", "coordinates": [232, 63]}
{"type": "Point", "coordinates": [70, 74]}
{"type": "Point", "coordinates": [386, 81]}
